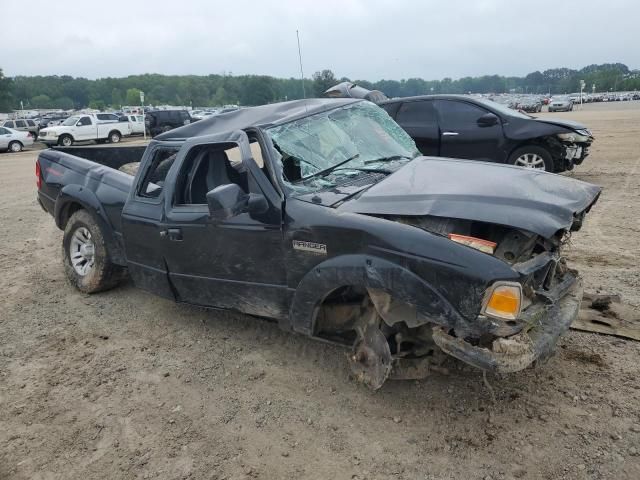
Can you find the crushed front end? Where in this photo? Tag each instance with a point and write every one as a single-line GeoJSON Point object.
{"type": "Point", "coordinates": [551, 297]}
{"type": "Point", "coordinates": [519, 322]}
{"type": "Point", "coordinates": [571, 148]}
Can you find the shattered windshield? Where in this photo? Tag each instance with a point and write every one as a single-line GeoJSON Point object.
{"type": "Point", "coordinates": [316, 150]}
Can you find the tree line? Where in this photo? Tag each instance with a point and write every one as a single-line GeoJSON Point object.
{"type": "Point", "coordinates": [66, 92]}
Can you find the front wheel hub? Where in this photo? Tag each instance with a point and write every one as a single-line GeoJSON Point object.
{"type": "Point", "coordinates": [530, 160]}
{"type": "Point", "coordinates": [370, 360]}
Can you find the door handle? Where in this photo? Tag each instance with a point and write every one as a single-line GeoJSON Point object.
{"type": "Point", "coordinates": [450, 134]}
{"type": "Point", "coordinates": [174, 234]}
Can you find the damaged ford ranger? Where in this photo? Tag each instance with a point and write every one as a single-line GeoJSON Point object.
{"type": "Point", "coordinates": [323, 216]}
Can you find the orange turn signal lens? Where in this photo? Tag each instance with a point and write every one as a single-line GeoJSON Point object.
{"type": "Point", "coordinates": [481, 244]}
{"type": "Point", "coordinates": [504, 301]}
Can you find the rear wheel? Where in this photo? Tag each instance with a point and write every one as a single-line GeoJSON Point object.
{"type": "Point", "coordinates": [533, 157]}
{"type": "Point", "coordinates": [114, 137]}
{"type": "Point", "coordinates": [87, 262]}
{"type": "Point", "coordinates": [15, 147]}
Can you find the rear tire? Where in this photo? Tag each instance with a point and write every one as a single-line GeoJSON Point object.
{"type": "Point", "coordinates": [15, 147]}
{"type": "Point", "coordinates": [87, 262]}
{"type": "Point", "coordinates": [114, 137]}
{"type": "Point", "coordinates": [531, 156]}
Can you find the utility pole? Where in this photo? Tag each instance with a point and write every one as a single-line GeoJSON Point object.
{"type": "Point", "coordinates": [144, 124]}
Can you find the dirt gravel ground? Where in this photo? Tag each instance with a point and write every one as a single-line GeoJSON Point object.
{"type": "Point", "coordinates": [123, 385]}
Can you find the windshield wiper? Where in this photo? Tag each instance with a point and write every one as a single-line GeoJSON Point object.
{"type": "Point", "coordinates": [389, 159]}
{"type": "Point", "coordinates": [360, 169]}
{"type": "Point", "coordinates": [327, 171]}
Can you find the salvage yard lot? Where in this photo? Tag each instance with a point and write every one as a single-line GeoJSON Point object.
{"type": "Point", "coordinates": [127, 385]}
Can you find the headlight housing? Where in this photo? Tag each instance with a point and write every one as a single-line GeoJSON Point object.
{"type": "Point", "coordinates": [573, 137]}
{"type": "Point", "coordinates": [503, 300]}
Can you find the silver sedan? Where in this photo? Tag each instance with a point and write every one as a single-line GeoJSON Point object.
{"type": "Point", "coordinates": [560, 104]}
{"type": "Point", "coordinates": [13, 140]}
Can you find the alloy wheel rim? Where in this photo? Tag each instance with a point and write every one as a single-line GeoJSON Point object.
{"type": "Point", "coordinates": [530, 160]}
{"type": "Point", "coordinates": [15, 147]}
{"type": "Point", "coordinates": [82, 251]}
{"type": "Point", "coordinates": [66, 141]}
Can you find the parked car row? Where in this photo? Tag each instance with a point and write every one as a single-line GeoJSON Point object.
{"type": "Point", "coordinates": [152, 122]}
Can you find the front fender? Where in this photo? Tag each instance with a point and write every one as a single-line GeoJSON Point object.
{"type": "Point", "coordinates": [370, 272]}
{"type": "Point", "coordinates": [78, 194]}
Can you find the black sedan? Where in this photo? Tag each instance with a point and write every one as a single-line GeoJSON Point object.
{"type": "Point", "coordinates": [461, 126]}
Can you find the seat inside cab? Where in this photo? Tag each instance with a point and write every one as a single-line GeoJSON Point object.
{"type": "Point", "coordinates": [209, 166]}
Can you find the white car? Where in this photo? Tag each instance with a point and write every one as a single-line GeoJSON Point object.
{"type": "Point", "coordinates": [82, 128]}
{"type": "Point", "coordinates": [13, 140]}
{"type": "Point", "coordinates": [137, 124]}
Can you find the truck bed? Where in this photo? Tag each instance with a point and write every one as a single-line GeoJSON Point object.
{"type": "Point", "coordinates": [90, 173]}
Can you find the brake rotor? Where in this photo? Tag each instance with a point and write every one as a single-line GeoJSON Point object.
{"type": "Point", "coordinates": [370, 360]}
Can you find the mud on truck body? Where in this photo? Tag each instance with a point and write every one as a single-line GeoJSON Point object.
{"type": "Point", "coordinates": [322, 215]}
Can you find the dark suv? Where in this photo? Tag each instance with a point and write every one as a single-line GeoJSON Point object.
{"type": "Point", "coordinates": [160, 121]}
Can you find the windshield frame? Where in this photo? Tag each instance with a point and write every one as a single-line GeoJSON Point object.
{"type": "Point", "coordinates": [70, 122]}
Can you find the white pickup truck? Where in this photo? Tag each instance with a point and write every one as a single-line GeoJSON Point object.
{"type": "Point", "coordinates": [83, 128]}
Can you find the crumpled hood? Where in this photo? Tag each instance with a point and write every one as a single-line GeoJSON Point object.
{"type": "Point", "coordinates": [531, 200]}
{"type": "Point", "coordinates": [570, 124]}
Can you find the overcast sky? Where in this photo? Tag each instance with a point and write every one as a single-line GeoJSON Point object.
{"type": "Point", "coordinates": [370, 39]}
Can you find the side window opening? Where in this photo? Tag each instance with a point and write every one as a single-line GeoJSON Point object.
{"type": "Point", "coordinates": [85, 121]}
{"type": "Point", "coordinates": [20, 124]}
{"type": "Point", "coordinates": [153, 183]}
{"type": "Point", "coordinates": [207, 167]}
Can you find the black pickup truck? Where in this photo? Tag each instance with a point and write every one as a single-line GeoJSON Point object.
{"type": "Point", "coordinates": [322, 215]}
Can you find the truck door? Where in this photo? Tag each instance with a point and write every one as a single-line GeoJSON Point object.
{"type": "Point", "coordinates": [236, 261]}
{"type": "Point", "coordinates": [463, 136]}
{"type": "Point", "coordinates": [143, 221]}
{"type": "Point", "coordinates": [85, 129]}
{"type": "Point", "coordinates": [420, 120]}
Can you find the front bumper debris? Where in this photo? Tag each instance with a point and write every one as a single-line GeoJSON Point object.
{"type": "Point", "coordinates": [536, 342]}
